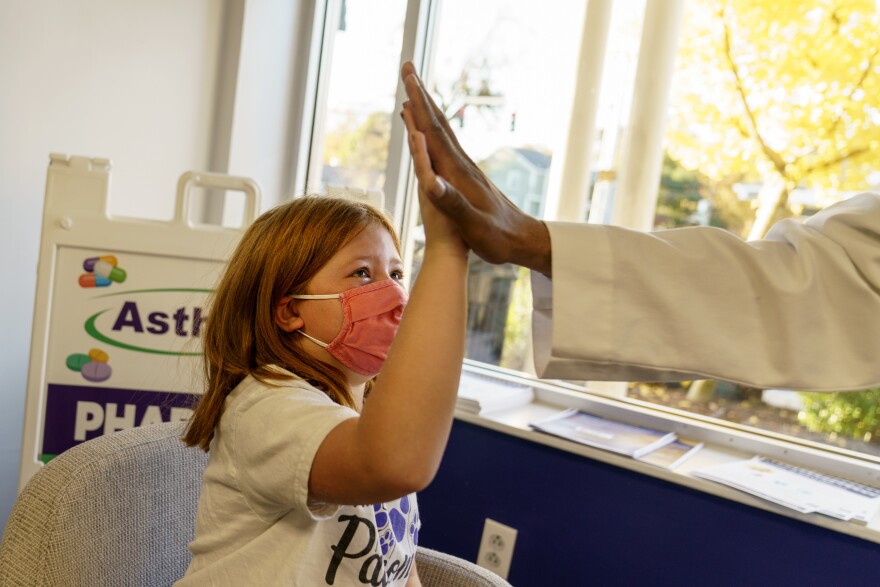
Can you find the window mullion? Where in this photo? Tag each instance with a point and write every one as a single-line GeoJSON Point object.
{"type": "Point", "coordinates": [400, 198]}
{"type": "Point", "coordinates": [415, 40]}
{"type": "Point", "coordinates": [574, 172]}
{"type": "Point", "coordinates": [641, 162]}
{"type": "Point", "coordinates": [326, 21]}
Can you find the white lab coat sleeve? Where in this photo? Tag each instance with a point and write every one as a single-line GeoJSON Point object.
{"type": "Point", "coordinates": [797, 310]}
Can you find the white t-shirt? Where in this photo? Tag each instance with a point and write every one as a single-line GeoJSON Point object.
{"type": "Point", "coordinates": [255, 524]}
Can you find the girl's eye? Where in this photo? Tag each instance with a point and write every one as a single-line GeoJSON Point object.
{"type": "Point", "coordinates": [362, 273]}
{"type": "Point", "coordinates": [397, 275]}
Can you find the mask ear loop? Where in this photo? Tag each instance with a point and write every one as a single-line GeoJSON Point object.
{"type": "Point", "coordinates": [314, 340]}
{"type": "Point", "coordinates": [314, 297]}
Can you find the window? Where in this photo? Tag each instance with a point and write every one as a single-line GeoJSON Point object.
{"type": "Point", "coordinates": [507, 76]}
{"type": "Point", "coordinates": [798, 82]}
{"type": "Point", "coordinates": [353, 135]}
{"type": "Point", "coordinates": [502, 73]}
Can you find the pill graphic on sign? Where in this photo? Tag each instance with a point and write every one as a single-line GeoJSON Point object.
{"type": "Point", "coordinates": [89, 264]}
{"type": "Point", "coordinates": [105, 269]}
{"type": "Point", "coordinates": [98, 355]}
{"type": "Point", "coordinates": [76, 361]}
{"type": "Point", "coordinates": [92, 280]}
{"type": "Point", "coordinates": [96, 371]}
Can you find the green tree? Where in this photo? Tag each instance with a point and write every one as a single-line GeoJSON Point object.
{"type": "Point", "coordinates": [682, 189]}
{"type": "Point", "coordinates": [680, 193]}
{"type": "Point", "coordinates": [844, 414]}
{"type": "Point", "coordinates": [359, 150]}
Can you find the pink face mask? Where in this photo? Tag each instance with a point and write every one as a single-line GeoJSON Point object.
{"type": "Point", "coordinates": [371, 315]}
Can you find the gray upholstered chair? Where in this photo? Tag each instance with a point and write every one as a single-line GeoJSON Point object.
{"type": "Point", "coordinates": [119, 510]}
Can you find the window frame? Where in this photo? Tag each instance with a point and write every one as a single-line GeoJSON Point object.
{"type": "Point", "coordinates": [571, 179]}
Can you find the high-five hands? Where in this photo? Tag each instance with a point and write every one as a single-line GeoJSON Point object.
{"type": "Point", "coordinates": [489, 223]}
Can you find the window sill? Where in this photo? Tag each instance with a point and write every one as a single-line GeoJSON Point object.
{"type": "Point", "coordinates": [721, 445]}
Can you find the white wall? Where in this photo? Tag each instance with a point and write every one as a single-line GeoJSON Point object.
{"type": "Point", "coordinates": [269, 83]}
{"type": "Point", "coordinates": [129, 81]}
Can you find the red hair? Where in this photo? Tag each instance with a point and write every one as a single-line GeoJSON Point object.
{"type": "Point", "coordinates": [277, 255]}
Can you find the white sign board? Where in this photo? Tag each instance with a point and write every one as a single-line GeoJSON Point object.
{"type": "Point", "coordinates": [120, 305]}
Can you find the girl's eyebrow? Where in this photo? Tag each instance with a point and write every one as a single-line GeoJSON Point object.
{"type": "Point", "coordinates": [371, 258]}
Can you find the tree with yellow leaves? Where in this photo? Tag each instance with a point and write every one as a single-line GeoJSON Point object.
{"type": "Point", "coordinates": [782, 93]}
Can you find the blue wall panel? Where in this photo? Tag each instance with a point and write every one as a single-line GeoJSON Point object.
{"type": "Point", "coordinates": [583, 522]}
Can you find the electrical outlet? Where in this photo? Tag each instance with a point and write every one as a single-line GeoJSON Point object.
{"type": "Point", "coordinates": [496, 547]}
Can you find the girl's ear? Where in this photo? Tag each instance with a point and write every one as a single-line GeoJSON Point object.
{"type": "Point", "coordinates": [286, 317]}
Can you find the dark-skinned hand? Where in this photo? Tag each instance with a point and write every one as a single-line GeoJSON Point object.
{"type": "Point", "coordinates": [489, 223]}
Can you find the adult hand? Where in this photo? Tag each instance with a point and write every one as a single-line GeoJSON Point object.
{"type": "Point", "coordinates": [490, 224]}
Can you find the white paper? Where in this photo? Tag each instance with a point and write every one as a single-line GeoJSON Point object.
{"type": "Point", "coordinates": [480, 394]}
{"type": "Point", "coordinates": [799, 489]}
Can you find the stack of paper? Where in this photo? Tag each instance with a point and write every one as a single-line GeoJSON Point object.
{"type": "Point", "coordinates": [478, 394]}
{"type": "Point", "coordinates": [673, 454]}
{"type": "Point", "coordinates": [592, 430]}
{"type": "Point", "coordinates": [796, 488]}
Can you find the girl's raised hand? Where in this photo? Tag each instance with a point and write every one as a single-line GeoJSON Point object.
{"type": "Point", "coordinates": [439, 230]}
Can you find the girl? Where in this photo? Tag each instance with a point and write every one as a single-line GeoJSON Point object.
{"type": "Point", "coordinates": [310, 482]}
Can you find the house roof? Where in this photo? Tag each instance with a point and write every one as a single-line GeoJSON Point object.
{"type": "Point", "coordinates": [536, 158]}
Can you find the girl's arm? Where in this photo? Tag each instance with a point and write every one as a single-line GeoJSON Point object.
{"type": "Point", "coordinates": [413, 579]}
{"type": "Point", "coordinates": [394, 448]}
